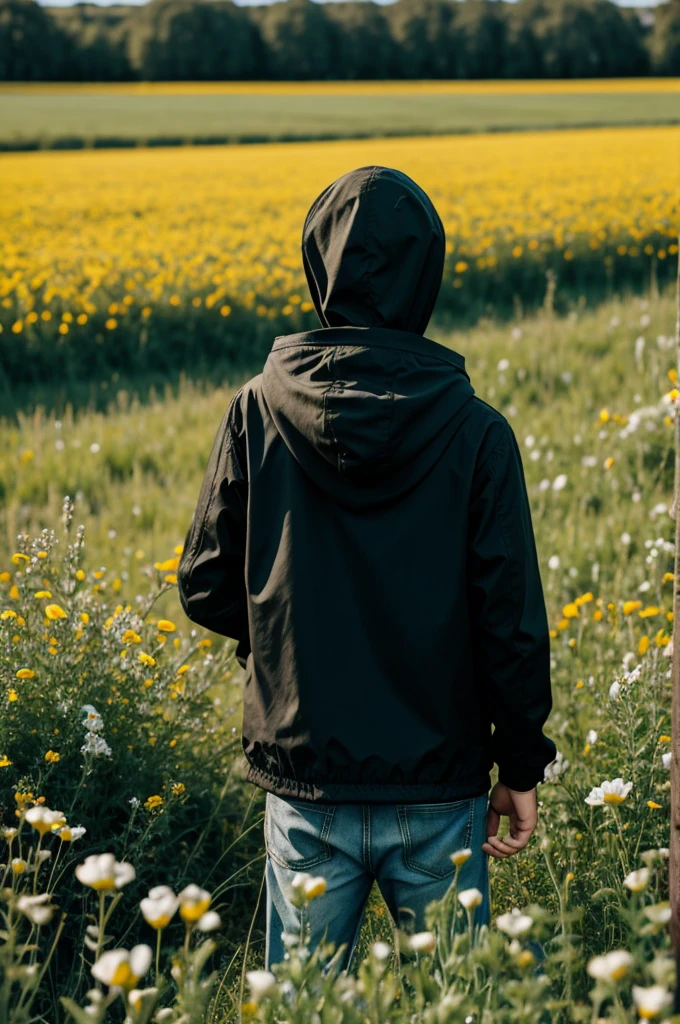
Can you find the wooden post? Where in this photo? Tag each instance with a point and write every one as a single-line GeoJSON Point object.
{"type": "Point", "coordinates": [674, 841]}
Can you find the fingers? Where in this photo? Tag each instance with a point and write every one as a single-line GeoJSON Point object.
{"type": "Point", "coordinates": [500, 847]}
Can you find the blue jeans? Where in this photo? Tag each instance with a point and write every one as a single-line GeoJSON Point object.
{"type": "Point", "coordinates": [406, 848]}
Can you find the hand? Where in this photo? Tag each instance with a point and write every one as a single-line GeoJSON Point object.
{"type": "Point", "coordinates": [522, 810]}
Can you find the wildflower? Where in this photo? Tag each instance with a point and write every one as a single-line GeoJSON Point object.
{"type": "Point", "coordinates": [119, 968]}
{"type": "Point", "coordinates": [153, 802]}
{"type": "Point", "coordinates": [159, 907]}
{"type": "Point", "coordinates": [652, 804]}
{"type": "Point", "coordinates": [460, 856]}
{"type": "Point", "coordinates": [19, 557]}
{"type": "Point", "coordinates": [103, 873]}
{"type": "Point", "coordinates": [381, 951]}
{"type": "Point", "coordinates": [130, 637]}
{"type": "Point", "coordinates": [179, 789]}
{"type": "Point", "coordinates": [19, 865]}
{"type": "Point", "coordinates": [559, 482]}
{"type": "Point", "coordinates": [422, 942]}
{"type": "Point", "coordinates": [615, 690]}
{"type": "Point", "coordinates": [553, 770]}
{"type": "Point", "coordinates": [659, 913]}
{"type": "Point", "coordinates": [70, 833]}
{"type": "Point", "coordinates": [42, 594]}
{"type": "Point", "coordinates": [315, 887]}
{"type": "Point", "coordinates": [146, 659]}
{"type": "Point", "coordinates": [55, 611]}
{"type": "Point", "coordinates": [470, 898]}
{"type": "Point", "coordinates": [8, 833]}
{"type": "Point", "coordinates": [262, 983]}
{"type": "Point", "coordinates": [25, 673]}
{"type": "Point", "coordinates": [52, 757]}
{"type": "Point", "coordinates": [636, 881]}
{"type": "Point", "coordinates": [610, 967]}
{"type": "Point", "coordinates": [209, 922]}
{"type": "Point", "coordinates": [666, 760]}
{"type": "Point", "coordinates": [614, 792]}
{"type": "Point", "coordinates": [591, 737]}
{"type": "Point", "coordinates": [36, 908]}
{"type": "Point", "coordinates": [96, 746]}
{"type": "Point", "coordinates": [166, 626]}
{"type": "Point", "coordinates": [515, 923]}
{"type": "Point", "coordinates": [651, 1001]}
{"type": "Point", "coordinates": [44, 820]}
{"type": "Point", "coordinates": [193, 903]}
{"type": "Point", "coordinates": [5, 761]}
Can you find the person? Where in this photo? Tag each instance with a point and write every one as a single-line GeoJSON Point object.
{"type": "Point", "coordinates": [363, 532]}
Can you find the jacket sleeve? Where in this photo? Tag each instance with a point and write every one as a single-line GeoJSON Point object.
{"type": "Point", "coordinates": [211, 571]}
{"type": "Point", "coordinates": [511, 641]}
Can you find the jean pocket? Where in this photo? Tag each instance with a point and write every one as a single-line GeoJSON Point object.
{"type": "Point", "coordinates": [296, 834]}
{"type": "Point", "coordinates": [432, 832]}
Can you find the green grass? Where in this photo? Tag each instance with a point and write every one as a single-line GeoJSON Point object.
{"type": "Point", "coordinates": [80, 118]}
{"type": "Point", "coordinates": [135, 470]}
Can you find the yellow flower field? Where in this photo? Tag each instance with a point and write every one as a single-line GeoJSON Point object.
{"type": "Point", "coordinates": [98, 245]}
{"type": "Point", "coordinates": [562, 86]}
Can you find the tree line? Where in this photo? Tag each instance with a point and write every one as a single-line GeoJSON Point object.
{"type": "Point", "coordinates": [204, 40]}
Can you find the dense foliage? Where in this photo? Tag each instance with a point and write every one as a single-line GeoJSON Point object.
{"type": "Point", "coordinates": [300, 39]}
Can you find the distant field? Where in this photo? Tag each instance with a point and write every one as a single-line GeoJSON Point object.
{"type": "Point", "coordinates": [64, 115]}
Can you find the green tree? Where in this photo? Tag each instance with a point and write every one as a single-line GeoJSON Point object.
{"type": "Point", "coordinates": [184, 40]}
{"type": "Point", "coordinates": [364, 46]}
{"type": "Point", "coordinates": [423, 33]}
{"type": "Point", "coordinates": [664, 40]}
{"type": "Point", "coordinates": [32, 47]}
{"type": "Point", "coordinates": [584, 38]}
{"type": "Point", "coordinates": [300, 40]}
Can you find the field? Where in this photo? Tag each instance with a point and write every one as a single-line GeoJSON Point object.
{"type": "Point", "coordinates": [62, 116]}
{"type": "Point", "coordinates": [590, 399]}
{"type": "Point", "coordinates": [120, 723]}
{"type": "Point", "coordinates": [144, 263]}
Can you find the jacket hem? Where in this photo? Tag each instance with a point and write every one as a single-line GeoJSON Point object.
{"type": "Point", "coordinates": [369, 792]}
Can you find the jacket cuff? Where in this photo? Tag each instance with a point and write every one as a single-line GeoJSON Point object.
{"type": "Point", "coordinates": [519, 778]}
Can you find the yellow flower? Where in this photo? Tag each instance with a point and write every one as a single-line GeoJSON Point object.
{"type": "Point", "coordinates": [170, 578]}
{"type": "Point", "coordinates": [643, 644]}
{"type": "Point", "coordinates": [25, 673]}
{"type": "Point", "coordinates": [179, 789]}
{"type": "Point", "coordinates": [604, 415]}
{"type": "Point", "coordinates": [5, 761]}
{"type": "Point", "coordinates": [583, 599]}
{"type": "Point", "coordinates": [42, 593]}
{"type": "Point", "coordinates": [631, 606]}
{"type": "Point", "coordinates": [52, 756]}
{"type": "Point", "coordinates": [654, 806]}
{"type": "Point", "coordinates": [9, 613]}
{"type": "Point", "coordinates": [664, 739]}
{"type": "Point", "coordinates": [153, 802]}
{"type": "Point", "coordinates": [130, 637]}
{"type": "Point", "coordinates": [84, 618]}
{"type": "Point", "coordinates": [5, 577]}
{"type": "Point", "coordinates": [609, 462]}
{"type": "Point", "coordinates": [166, 626]}
{"type": "Point", "coordinates": [14, 592]}
{"type": "Point", "coordinates": [170, 565]}
{"type": "Point", "coordinates": [649, 611]}
{"type": "Point", "coordinates": [18, 558]}
{"type": "Point", "coordinates": [146, 659]}
{"type": "Point", "coordinates": [563, 624]}
{"type": "Point", "coordinates": [55, 611]}
{"type": "Point", "coordinates": [570, 611]}
{"type": "Point", "coordinates": [12, 696]}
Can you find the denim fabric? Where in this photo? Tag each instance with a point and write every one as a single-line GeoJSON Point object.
{"type": "Point", "coordinates": [406, 848]}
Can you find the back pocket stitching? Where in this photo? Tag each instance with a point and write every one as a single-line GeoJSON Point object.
{"type": "Point", "coordinates": [402, 816]}
{"type": "Point", "coordinates": [308, 862]}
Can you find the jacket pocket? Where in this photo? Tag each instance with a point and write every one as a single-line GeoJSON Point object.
{"type": "Point", "coordinates": [296, 834]}
{"type": "Point", "coordinates": [432, 832]}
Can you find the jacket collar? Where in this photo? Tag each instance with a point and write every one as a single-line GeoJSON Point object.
{"type": "Point", "coordinates": [372, 337]}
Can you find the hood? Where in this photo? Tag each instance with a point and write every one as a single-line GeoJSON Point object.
{"type": "Point", "coordinates": [373, 251]}
{"type": "Point", "coordinates": [367, 404]}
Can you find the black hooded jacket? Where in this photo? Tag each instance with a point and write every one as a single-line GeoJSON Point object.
{"type": "Point", "coordinates": [363, 531]}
